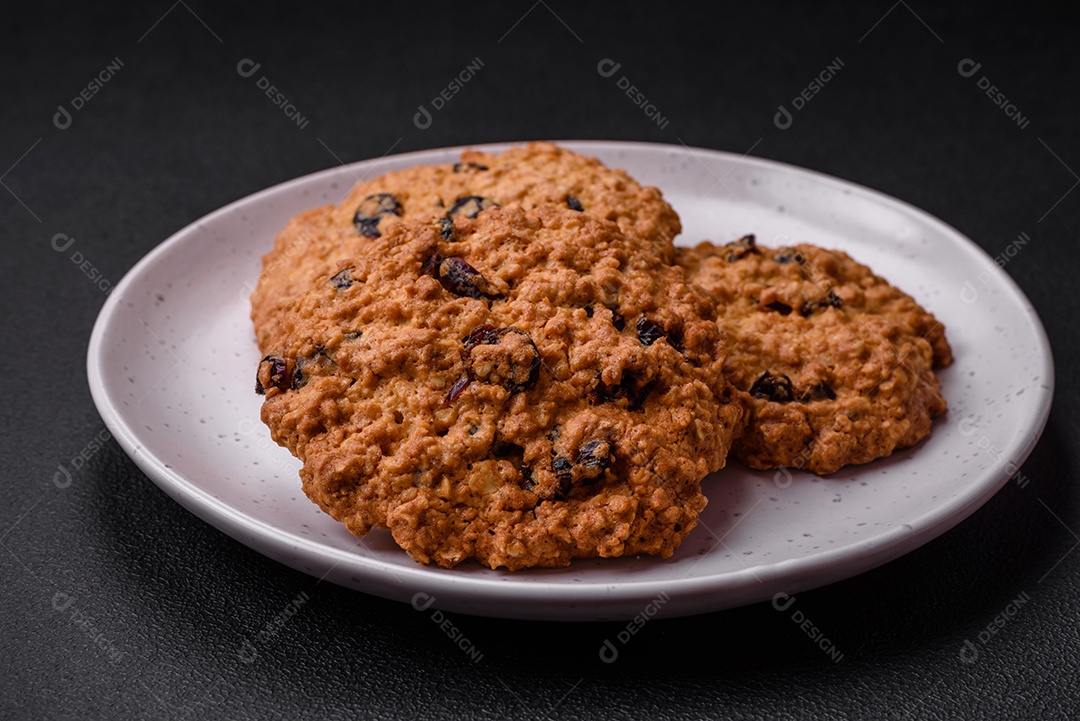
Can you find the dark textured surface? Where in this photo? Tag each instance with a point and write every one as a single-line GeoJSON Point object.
{"type": "Point", "coordinates": [156, 606]}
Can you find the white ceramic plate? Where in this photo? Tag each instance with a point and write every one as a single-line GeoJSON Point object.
{"type": "Point", "coordinates": [172, 364]}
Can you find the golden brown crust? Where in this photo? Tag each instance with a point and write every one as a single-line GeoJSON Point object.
{"type": "Point", "coordinates": [526, 176]}
{"type": "Point", "coordinates": [535, 390]}
{"type": "Point", "coordinates": [834, 363]}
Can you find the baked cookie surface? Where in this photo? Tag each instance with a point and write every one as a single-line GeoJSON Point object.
{"type": "Point", "coordinates": [525, 176]}
{"type": "Point", "coordinates": [835, 363]}
{"type": "Point", "coordinates": [530, 388]}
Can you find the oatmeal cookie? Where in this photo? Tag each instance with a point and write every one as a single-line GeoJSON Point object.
{"type": "Point", "coordinates": [526, 176]}
{"type": "Point", "coordinates": [836, 364]}
{"type": "Point", "coordinates": [533, 388]}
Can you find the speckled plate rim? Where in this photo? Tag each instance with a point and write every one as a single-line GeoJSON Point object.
{"type": "Point", "coordinates": [555, 600]}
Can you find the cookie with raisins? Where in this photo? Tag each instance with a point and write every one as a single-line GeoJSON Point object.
{"type": "Point", "coordinates": [836, 365]}
{"type": "Point", "coordinates": [534, 390]}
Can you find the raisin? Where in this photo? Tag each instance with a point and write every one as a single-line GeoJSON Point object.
{"type": "Point", "coordinates": [616, 319]}
{"type": "Point", "coordinates": [527, 482]}
{"type": "Point", "coordinates": [446, 230]}
{"type": "Point", "coordinates": [460, 278]}
{"type": "Point", "coordinates": [343, 278]}
{"type": "Point", "coordinates": [471, 205]}
{"type": "Point", "coordinates": [573, 203]}
{"type": "Point", "coordinates": [604, 393]}
{"type": "Point", "coordinates": [319, 358]}
{"type": "Point", "coordinates": [648, 332]}
{"type": "Point", "coordinates": [455, 390]}
{"type": "Point", "coordinates": [431, 265]}
{"type": "Point", "coordinates": [741, 248]}
{"type": "Point", "coordinates": [513, 361]}
{"type": "Point", "coordinates": [777, 306]}
{"type": "Point", "coordinates": [789, 255]}
{"type": "Point", "coordinates": [480, 334]}
{"type": "Point", "coordinates": [588, 311]}
{"type": "Point", "coordinates": [831, 300]}
{"type": "Point", "coordinates": [371, 209]}
{"type": "Point", "coordinates": [468, 165]}
{"type": "Point", "coordinates": [593, 458]}
{"type": "Point", "coordinates": [820, 391]}
{"type": "Point", "coordinates": [564, 475]}
{"type": "Point", "coordinates": [299, 380]}
{"type": "Point", "coordinates": [272, 372]}
{"type": "Point", "coordinates": [634, 394]}
{"type": "Point", "coordinates": [771, 387]}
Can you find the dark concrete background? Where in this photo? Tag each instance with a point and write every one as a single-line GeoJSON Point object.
{"type": "Point", "coordinates": [156, 605]}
